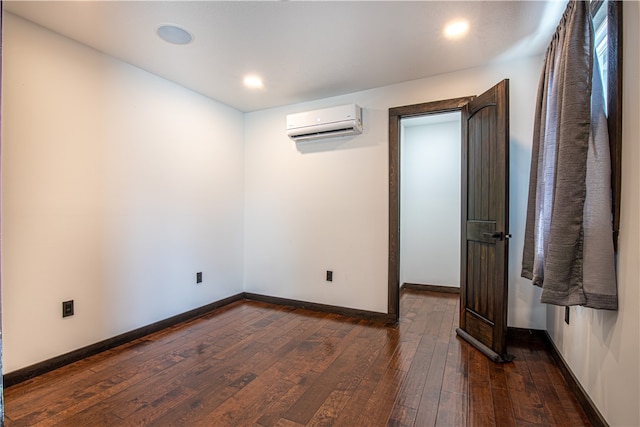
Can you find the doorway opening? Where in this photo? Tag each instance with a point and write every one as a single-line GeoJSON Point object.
{"type": "Point", "coordinates": [430, 173]}
{"type": "Point", "coordinates": [398, 116]}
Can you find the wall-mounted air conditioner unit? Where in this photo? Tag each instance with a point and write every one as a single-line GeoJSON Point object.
{"type": "Point", "coordinates": [328, 123]}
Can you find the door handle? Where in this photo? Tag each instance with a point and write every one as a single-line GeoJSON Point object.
{"type": "Point", "coordinates": [494, 235]}
{"type": "Point", "coordinates": [497, 235]}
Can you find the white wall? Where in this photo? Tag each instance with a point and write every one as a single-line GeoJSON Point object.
{"type": "Point", "coordinates": [602, 347]}
{"type": "Point", "coordinates": [430, 202]}
{"type": "Point", "coordinates": [117, 187]}
{"type": "Point", "coordinates": [325, 206]}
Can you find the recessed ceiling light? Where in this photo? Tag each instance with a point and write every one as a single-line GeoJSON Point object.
{"type": "Point", "coordinates": [456, 29]}
{"type": "Point", "coordinates": [253, 82]}
{"type": "Point", "coordinates": [173, 34]}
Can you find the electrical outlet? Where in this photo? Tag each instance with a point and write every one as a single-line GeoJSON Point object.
{"type": "Point", "coordinates": [67, 308]}
{"type": "Point", "coordinates": [329, 276]}
{"type": "Point", "coordinates": [199, 277]}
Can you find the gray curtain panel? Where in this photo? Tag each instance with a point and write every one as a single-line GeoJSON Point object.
{"type": "Point", "coordinates": [568, 248]}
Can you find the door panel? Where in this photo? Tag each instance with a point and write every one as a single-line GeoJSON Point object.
{"type": "Point", "coordinates": [485, 214]}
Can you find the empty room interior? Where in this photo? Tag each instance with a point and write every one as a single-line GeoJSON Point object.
{"type": "Point", "coordinates": [177, 250]}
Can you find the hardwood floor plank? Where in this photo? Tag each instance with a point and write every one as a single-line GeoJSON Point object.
{"type": "Point", "coordinates": [152, 390]}
{"type": "Point", "coordinates": [351, 415]}
{"type": "Point", "coordinates": [481, 409]}
{"type": "Point", "coordinates": [192, 410]}
{"type": "Point", "coordinates": [249, 362]}
{"type": "Point", "coordinates": [85, 418]}
{"type": "Point", "coordinates": [68, 405]}
{"type": "Point", "coordinates": [456, 371]}
{"type": "Point", "coordinates": [246, 406]}
{"type": "Point", "coordinates": [434, 320]}
{"type": "Point", "coordinates": [377, 409]}
{"type": "Point", "coordinates": [310, 356]}
{"type": "Point", "coordinates": [478, 368]}
{"type": "Point", "coordinates": [233, 410]}
{"type": "Point", "coordinates": [496, 376]}
{"type": "Point", "coordinates": [452, 410]}
{"type": "Point", "coordinates": [379, 406]}
{"type": "Point", "coordinates": [407, 349]}
{"type": "Point", "coordinates": [145, 413]}
{"type": "Point", "coordinates": [502, 407]}
{"type": "Point", "coordinates": [430, 399]}
{"type": "Point", "coordinates": [258, 364]}
{"type": "Point", "coordinates": [481, 405]}
{"type": "Point", "coordinates": [286, 423]}
{"type": "Point", "coordinates": [559, 404]}
{"type": "Point", "coordinates": [243, 338]}
{"type": "Point", "coordinates": [411, 392]}
{"type": "Point", "coordinates": [273, 414]}
{"type": "Point", "coordinates": [402, 416]}
{"type": "Point", "coordinates": [449, 318]}
{"type": "Point", "coordinates": [527, 405]}
{"type": "Point", "coordinates": [331, 374]}
{"type": "Point", "coordinates": [528, 408]}
{"type": "Point", "coordinates": [345, 389]}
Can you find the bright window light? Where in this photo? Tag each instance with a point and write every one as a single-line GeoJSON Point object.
{"type": "Point", "coordinates": [600, 23]}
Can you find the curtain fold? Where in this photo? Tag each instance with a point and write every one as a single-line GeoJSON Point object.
{"type": "Point", "coordinates": [568, 248]}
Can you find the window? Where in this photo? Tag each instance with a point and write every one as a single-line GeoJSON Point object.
{"type": "Point", "coordinates": [600, 22]}
{"type": "Point", "coordinates": [607, 22]}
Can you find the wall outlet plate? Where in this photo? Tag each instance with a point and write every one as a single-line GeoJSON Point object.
{"type": "Point", "coordinates": [329, 276]}
{"type": "Point", "coordinates": [199, 277]}
{"type": "Point", "coordinates": [67, 308]}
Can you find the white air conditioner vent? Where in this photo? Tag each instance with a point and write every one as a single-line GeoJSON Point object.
{"type": "Point", "coordinates": [327, 123]}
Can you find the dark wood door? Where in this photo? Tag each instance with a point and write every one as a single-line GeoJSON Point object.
{"type": "Point", "coordinates": [485, 222]}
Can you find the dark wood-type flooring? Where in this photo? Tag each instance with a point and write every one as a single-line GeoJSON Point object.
{"type": "Point", "coordinates": [257, 364]}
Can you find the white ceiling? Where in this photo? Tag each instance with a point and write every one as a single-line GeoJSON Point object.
{"type": "Point", "coordinates": [304, 50]}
